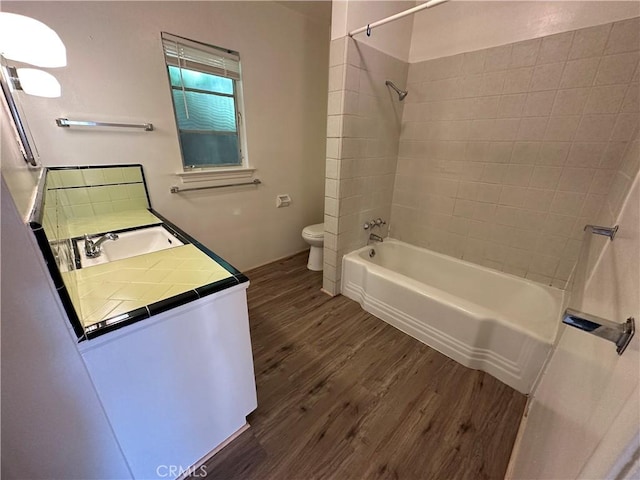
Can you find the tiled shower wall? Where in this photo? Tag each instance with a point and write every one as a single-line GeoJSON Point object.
{"type": "Point", "coordinates": [363, 129]}
{"type": "Point", "coordinates": [506, 153]}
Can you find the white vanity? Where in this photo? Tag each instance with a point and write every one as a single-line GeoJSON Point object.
{"type": "Point", "coordinates": [161, 321]}
{"type": "Point", "coordinates": [178, 384]}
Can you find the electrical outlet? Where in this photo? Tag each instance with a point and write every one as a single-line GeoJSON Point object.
{"type": "Point", "coordinates": [283, 200]}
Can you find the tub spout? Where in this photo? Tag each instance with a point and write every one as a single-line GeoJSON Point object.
{"type": "Point", "coordinates": [375, 238]}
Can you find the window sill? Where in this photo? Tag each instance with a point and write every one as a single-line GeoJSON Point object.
{"type": "Point", "coordinates": [217, 174]}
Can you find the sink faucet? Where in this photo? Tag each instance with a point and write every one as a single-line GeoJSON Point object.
{"type": "Point", "coordinates": [375, 238]}
{"type": "Point", "coordinates": [92, 249]}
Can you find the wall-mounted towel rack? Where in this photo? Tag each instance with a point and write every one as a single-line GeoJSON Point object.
{"type": "Point", "coordinates": [176, 189]}
{"type": "Point", "coordinates": [618, 333]}
{"type": "Point", "coordinates": [65, 122]}
{"type": "Point", "coordinates": [599, 230]}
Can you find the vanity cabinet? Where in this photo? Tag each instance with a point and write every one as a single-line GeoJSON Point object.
{"type": "Point", "coordinates": [161, 321]}
{"type": "Point", "coordinates": [177, 384]}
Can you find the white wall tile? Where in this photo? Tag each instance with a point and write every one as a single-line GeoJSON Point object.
{"type": "Point", "coordinates": [555, 48]}
{"type": "Point", "coordinates": [617, 68]}
{"type": "Point", "coordinates": [595, 128]}
{"type": "Point", "coordinates": [624, 36]}
{"type": "Point", "coordinates": [589, 42]}
{"type": "Point", "coordinates": [562, 129]}
{"type": "Point", "coordinates": [496, 156]}
{"type": "Point", "coordinates": [547, 77]}
{"type": "Point", "coordinates": [605, 99]}
{"type": "Point", "coordinates": [539, 103]}
{"type": "Point", "coordinates": [532, 128]}
{"type": "Point", "coordinates": [579, 73]}
{"type": "Point", "coordinates": [570, 101]}
{"type": "Point", "coordinates": [545, 177]}
{"type": "Point", "coordinates": [497, 58]}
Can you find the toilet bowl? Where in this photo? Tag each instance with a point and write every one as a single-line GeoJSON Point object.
{"type": "Point", "coordinates": [314, 236]}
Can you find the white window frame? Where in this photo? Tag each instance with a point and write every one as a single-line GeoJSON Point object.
{"type": "Point", "coordinates": [191, 174]}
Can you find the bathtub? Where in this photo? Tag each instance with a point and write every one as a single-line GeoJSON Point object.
{"type": "Point", "coordinates": [484, 319]}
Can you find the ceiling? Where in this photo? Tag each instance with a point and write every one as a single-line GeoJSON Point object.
{"type": "Point", "coordinates": [317, 10]}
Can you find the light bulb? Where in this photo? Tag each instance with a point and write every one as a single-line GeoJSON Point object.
{"type": "Point", "coordinates": [39, 83]}
{"type": "Point", "coordinates": [30, 41]}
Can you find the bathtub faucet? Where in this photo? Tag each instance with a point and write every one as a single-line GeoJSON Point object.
{"type": "Point", "coordinates": [378, 222]}
{"type": "Point", "coordinates": [375, 238]}
{"type": "Point", "coordinates": [92, 249]}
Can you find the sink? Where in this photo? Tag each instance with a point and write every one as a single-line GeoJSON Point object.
{"type": "Point", "coordinates": [130, 244]}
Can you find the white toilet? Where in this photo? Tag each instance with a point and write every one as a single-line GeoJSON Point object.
{"type": "Point", "coordinates": [314, 236]}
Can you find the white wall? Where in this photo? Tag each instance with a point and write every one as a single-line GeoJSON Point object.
{"type": "Point", "coordinates": [116, 72]}
{"type": "Point", "coordinates": [574, 428]}
{"type": "Point", "coordinates": [53, 424]}
{"type": "Point", "coordinates": [464, 26]}
{"type": "Point", "coordinates": [393, 38]}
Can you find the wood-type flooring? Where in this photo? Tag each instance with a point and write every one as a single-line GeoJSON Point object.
{"type": "Point", "coordinates": [343, 395]}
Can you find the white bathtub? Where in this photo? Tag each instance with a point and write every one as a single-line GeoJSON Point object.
{"type": "Point", "coordinates": [483, 319]}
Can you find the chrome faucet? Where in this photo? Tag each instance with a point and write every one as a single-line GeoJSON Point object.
{"type": "Point", "coordinates": [375, 238]}
{"type": "Point", "coordinates": [92, 249]}
{"type": "Point", "coordinates": [378, 222]}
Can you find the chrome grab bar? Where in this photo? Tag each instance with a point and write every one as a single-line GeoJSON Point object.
{"type": "Point", "coordinates": [606, 231]}
{"type": "Point", "coordinates": [176, 189]}
{"type": "Point", "coordinates": [65, 122]}
{"type": "Point", "coordinates": [618, 333]}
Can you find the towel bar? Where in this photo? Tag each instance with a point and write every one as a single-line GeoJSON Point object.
{"type": "Point", "coordinates": [176, 189]}
{"type": "Point", "coordinates": [65, 122]}
{"type": "Point", "coordinates": [618, 333]}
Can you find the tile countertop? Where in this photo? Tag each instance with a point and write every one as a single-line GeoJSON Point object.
{"type": "Point", "coordinates": [111, 289]}
{"type": "Point", "coordinates": [101, 292]}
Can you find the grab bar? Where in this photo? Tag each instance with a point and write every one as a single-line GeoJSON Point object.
{"type": "Point", "coordinates": [606, 231]}
{"type": "Point", "coordinates": [176, 189]}
{"type": "Point", "coordinates": [65, 122]}
{"type": "Point", "coordinates": [618, 333]}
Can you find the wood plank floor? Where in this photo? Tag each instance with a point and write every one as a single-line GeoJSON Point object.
{"type": "Point", "coordinates": [343, 395]}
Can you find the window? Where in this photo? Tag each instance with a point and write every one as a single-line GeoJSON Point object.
{"type": "Point", "coordinates": [206, 93]}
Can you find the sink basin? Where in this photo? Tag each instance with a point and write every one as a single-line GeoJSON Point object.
{"type": "Point", "coordinates": [130, 244]}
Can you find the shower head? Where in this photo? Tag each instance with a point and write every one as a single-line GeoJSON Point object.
{"type": "Point", "coordinates": [401, 93]}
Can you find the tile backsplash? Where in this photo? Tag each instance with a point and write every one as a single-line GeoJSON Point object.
{"type": "Point", "coordinates": [90, 191]}
{"type": "Point", "coordinates": [506, 153]}
{"type": "Point", "coordinates": [89, 197]}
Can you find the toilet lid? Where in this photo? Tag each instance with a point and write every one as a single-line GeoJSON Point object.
{"type": "Point", "coordinates": [314, 231]}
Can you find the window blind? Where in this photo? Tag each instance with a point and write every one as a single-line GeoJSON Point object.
{"type": "Point", "coordinates": [191, 55]}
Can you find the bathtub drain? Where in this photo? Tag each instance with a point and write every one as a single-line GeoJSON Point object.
{"type": "Point", "coordinates": [372, 253]}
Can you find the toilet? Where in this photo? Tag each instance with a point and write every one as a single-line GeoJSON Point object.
{"type": "Point", "coordinates": [314, 236]}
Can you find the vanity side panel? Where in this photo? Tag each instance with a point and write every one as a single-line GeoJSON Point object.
{"type": "Point", "coordinates": [179, 384]}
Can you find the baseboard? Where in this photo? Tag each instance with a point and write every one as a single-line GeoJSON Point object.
{"type": "Point", "coordinates": [516, 445]}
{"type": "Point", "coordinates": [194, 468]}
{"type": "Point", "coordinates": [288, 255]}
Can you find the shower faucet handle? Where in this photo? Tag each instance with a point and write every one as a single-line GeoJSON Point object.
{"type": "Point", "coordinates": [374, 223]}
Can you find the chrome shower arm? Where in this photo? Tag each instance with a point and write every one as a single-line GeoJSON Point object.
{"type": "Point", "coordinates": [401, 93]}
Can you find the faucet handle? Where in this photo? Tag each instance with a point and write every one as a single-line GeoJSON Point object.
{"type": "Point", "coordinates": [366, 226]}
{"type": "Point", "coordinates": [379, 222]}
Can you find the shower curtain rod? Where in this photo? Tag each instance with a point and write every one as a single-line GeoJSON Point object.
{"type": "Point", "coordinates": [371, 26]}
